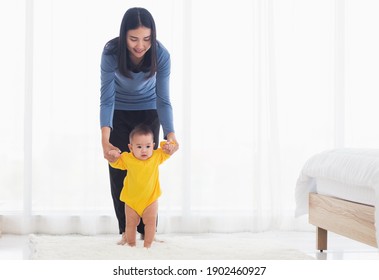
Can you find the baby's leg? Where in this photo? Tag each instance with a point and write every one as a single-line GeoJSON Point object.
{"type": "Point", "coordinates": [149, 218]}
{"type": "Point", "coordinates": [132, 220]}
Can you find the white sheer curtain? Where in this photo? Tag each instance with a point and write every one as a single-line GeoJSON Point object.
{"type": "Point", "coordinates": [257, 87]}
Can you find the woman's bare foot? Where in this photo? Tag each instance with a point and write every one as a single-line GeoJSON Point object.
{"type": "Point", "coordinates": [123, 240]}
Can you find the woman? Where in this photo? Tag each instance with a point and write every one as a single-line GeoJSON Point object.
{"type": "Point", "coordinates": [135, 73]}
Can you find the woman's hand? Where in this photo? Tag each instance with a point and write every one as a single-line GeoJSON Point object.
{"type": "Point", "coordinates": [110, 152]}
{"type": "Point", "coordinates": [172, 144]}
{"type": "Point", "coordinates": [107, 146]}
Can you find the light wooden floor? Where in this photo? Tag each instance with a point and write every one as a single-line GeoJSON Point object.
{"type": "Point", "coordinates": [15, 247]}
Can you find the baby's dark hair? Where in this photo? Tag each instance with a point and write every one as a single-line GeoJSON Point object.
{"type": "Point", "coordinates": [141, 129]}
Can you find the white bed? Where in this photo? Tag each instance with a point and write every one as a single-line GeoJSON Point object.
{"type": "Point", "coordinates": [339, 190]}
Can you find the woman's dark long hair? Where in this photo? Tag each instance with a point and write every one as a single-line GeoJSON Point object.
{"type": "Point", "coordinates": [133, 19]}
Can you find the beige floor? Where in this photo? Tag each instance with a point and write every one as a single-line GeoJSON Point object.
{"type": "Point", "coordinates": [15, 247]}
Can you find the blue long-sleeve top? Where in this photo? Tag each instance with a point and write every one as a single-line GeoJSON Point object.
{"type": "Point", "coordinates": [140, 93]}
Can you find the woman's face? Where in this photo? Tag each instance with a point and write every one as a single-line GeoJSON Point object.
{"type": "Point", "coordinates": [138, 42]}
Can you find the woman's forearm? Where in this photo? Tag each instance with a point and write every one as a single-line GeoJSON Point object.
{"type": "Point", "coordinates": [105, 134]}
{"type": "Point", "coordinates": [107, 146]}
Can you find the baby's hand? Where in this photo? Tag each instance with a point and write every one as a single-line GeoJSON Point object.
{"type": "Point", "coordinates": [115, 154]}
{"type": "Point", "coordinates": [168, 147]}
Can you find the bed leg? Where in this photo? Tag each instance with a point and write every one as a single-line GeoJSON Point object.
{"type": "Point", "coordinates": [322, 239]}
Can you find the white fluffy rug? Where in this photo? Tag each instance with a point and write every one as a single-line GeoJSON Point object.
{"type": "Point", "coordinates": [174, 247]}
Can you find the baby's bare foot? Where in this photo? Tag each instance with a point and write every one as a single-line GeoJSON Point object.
{"type": "Point", "coordinates": [142, 237]}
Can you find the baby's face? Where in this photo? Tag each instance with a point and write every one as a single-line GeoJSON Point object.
{"type": "Point", "coordinates": [142, 146]}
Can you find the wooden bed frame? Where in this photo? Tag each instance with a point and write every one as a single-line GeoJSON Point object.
{"type": "Point", "coordinates": [347, 218]}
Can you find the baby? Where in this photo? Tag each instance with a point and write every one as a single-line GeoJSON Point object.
{"type": "Point", "coordinates": [141, 187]}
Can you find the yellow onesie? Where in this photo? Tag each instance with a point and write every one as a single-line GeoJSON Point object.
{"type": "Point", "coordinates": [141, 185]}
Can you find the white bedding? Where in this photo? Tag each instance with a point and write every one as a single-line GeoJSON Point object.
{"type": "Point", "coordinates": [351, 174]}
{"type": "Point", "coordinates": [356, 193]}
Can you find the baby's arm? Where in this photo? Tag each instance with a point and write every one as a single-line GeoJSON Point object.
{"type": "Point", "coordinates": [120, 160]}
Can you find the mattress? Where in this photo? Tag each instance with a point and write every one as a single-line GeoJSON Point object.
{"type": "Point", "coordinates": [350, 174]}
{"type": "Point", "coordinates": [355, 193]}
